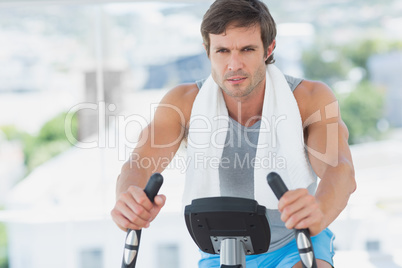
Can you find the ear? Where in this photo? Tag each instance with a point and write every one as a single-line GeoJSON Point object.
{"type": "Point", "coordinates": [206, 50]}
{"type": "Point", "coordinates": [270, 49]}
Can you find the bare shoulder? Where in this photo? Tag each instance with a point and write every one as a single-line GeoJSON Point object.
{"type": "Point", "coordinates": [181, 94]}
{"type": "Point", "coordinates": [313, 96]}
{"type": "Point", "coordinates": [180, 99]}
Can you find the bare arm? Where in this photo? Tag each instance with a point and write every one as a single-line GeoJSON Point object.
{"type": "Point", "coordinates": [326, 137]}
{"type": "Point", "coordinates": [158, 143]}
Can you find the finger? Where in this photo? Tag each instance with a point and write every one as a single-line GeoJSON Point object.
{"type": "Point", "coordinates": [128, 200]}
{"type": "Point", "coordinates": [122, 222]}
{"type": "Point", "coordinates": [140, 197]}
{"type": "Point", "coordinates": [297, 217]}
{"type": "Point", "coordinates": [313, 222]}
{"type": "Point", "coordinates": [125, 224]}
{"type": "Point", "coordinates": [305, 217]}
{"type": "Point", "coordinates": [160, 200]}
{"type": "Point", "coordinates": [290, 197]}
{"type": "Point", "coordinates": [132, 217]}
{"type": "Point", "coordinates": [158, 204]}
{"type": "Point", "coordinates": [298, 204]}
{"type": "Point", "coordinates": [290, 210]}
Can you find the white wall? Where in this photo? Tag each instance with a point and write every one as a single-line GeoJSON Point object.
{"type": "Point", "coordinates": [59, 244]}
{"type": "Point", "coordinates": [169, 229]}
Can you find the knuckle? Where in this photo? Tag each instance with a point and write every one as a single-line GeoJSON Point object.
{"type": "Point", "coordinates": [125, 224]}
{"type": "Point", "coordinates": [132, 188]}
{"type": "Point", "coordinates": [132, 218]}
{"type": "Point", "coordinates": [113, 212]}
{"type": "Point", "coordinates": [302, 224]}
{"type": "Point", "coordinates": [124, 196]}
{"type": "Point", "coordinates": [119, 203]}
{"type": "Point", "coordinates": [309, 199]}
{"type": "Point", "coordinates": [142, 200]}
{"type": "Point", "coordinates": [140, 210]}
{"type": "Point", "coordinates": [294, 218]}
{"type": "Point", "coordinates": [285, 212]}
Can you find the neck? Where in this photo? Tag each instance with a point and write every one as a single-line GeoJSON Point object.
{"type": "Point", "coordinates": [246, 110]}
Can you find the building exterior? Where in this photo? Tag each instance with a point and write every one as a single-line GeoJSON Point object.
{"type": "Point", "coordinates": [385, 72]}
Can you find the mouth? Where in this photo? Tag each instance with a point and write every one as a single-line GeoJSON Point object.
{"type": "Point", "coordinates": [236, 80]}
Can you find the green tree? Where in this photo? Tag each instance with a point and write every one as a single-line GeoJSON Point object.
{"type": "Point", "coordinates": [3, 247]}
{"type": "Point", "coordinates": [360, 51]}
{"type": "Point", "coordinates": [361, 110]}
{"type": "Point", "coordinates": [331, 63]}
{"type": "Point", "coordinates": [54, 129]}
{"type": "Point", "coordinates": [49, 142]}
{"type": "Point", "coordinates": [363, 107]}
{"type": "Point", "coordinates": [11, 132]}
{"type": "Point", "coordinates": [326, 64]}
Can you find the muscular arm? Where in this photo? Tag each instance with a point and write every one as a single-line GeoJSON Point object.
{"type": "Point", "coordinates": [326, 138]}
{"type": "Point", "coordinates": [158, 143]}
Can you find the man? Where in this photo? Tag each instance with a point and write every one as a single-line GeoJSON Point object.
{"type": "Point", "coordinates": [261, 118]}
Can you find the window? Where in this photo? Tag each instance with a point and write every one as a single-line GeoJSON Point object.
{"type": "Point", "coordinates": [91, 258]}
{"type": "Point", "coordinates": [373, 245]}
{"type": "Point", "coordinates": [168, 256]}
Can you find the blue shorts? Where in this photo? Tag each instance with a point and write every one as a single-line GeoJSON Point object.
{"type": "Point", "coordinates": [284, 257]}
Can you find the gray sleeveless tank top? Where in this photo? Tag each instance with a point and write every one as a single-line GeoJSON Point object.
{"type": "Point", "coordinates": [236, 170]}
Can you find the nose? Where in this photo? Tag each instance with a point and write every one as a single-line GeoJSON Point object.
{"type": "Point", "coordinates": [235, 62]}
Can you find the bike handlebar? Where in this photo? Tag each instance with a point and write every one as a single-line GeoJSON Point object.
{"type": "Point", "coordinates": [303, 239]}
{"type": "Point", "coordinates": [133, 237]}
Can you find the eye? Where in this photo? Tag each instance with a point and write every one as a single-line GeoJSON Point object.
{"type": "Point", "coordinates": [222, 50]}
{"type": "Point", "coordinates": [248, 49]}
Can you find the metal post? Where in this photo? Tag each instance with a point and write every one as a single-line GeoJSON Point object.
{"type": "Point", "coordinates": [232, 253]}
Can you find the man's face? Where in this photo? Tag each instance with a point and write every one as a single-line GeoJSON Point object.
{"type": "Point", "coordinates": [238, 61]}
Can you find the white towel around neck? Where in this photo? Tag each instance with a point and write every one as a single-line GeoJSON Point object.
{"type": "Point", "coordinates": [280, 139]}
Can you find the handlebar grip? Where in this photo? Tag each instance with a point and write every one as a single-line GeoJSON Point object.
{"type": "Point", "coordinates": [305, 247]}
{"type": "Point", "coordinates": [153, 186]}
{"type": "Point", "coordinates": [133, 237]}
{"type": "Point", "coordinates": [303, 239]}
{"type": "Point", "coordinates": [277, 185]}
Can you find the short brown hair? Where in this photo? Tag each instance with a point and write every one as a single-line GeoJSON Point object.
{"type": "Point", "coordinates": [240, 13]}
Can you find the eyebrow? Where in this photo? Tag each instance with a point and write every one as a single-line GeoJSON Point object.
{"type": "Point", "coordinates": [244, 47]}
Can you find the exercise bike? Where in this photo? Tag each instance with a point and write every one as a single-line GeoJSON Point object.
{"type": "Point", "coordinates": [229, 226]}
